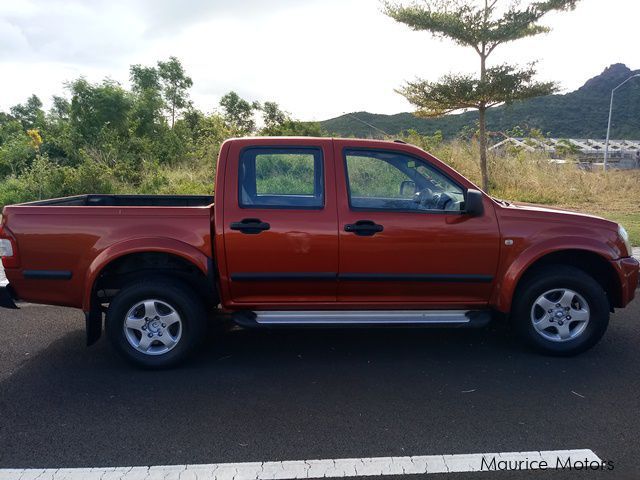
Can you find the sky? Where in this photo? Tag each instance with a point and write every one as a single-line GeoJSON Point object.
{"type": "Point", "coordinates": [317, 58]}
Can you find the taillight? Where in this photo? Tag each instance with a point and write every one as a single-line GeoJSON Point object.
{"type": "Point", "coordinates": [8, 250]}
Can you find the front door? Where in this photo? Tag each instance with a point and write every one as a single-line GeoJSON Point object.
{"type": "Point", "coordinates": [280, 224]}
{"type": "Point", "coordinates": [405, 240]}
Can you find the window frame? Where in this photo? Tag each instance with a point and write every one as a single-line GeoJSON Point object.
{"type": "Point", "coordinates": [426, 163]}
{"type": "Point", "coordinates": [319, 177]}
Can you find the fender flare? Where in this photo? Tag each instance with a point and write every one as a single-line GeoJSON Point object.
{"type": "Point", "coordinates": [506, 288]}
{"type": "Point", "coordinates": [140, 245]}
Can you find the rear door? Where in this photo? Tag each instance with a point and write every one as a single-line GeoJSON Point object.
{"type": "Point", "coordinates": [280, 223]}
{"type": "Point", "coordinates": [404, 236]}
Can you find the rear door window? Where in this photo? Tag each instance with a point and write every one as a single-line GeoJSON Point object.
{"type": "Point", "coordinates": [283, 177]}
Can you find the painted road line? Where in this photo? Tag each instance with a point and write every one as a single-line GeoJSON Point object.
{"type": "Point", "coordinates": [584, 460]}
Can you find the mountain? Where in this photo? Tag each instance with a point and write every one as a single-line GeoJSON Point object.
{"type": "Point", "coordinates": [582, 113]}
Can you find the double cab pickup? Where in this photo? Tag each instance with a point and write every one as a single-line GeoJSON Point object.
{"type": "Point", "coordinates": [317, 232]}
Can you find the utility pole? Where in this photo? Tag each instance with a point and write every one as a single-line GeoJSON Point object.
{"type": "Point", "coordinates": [606, 145]}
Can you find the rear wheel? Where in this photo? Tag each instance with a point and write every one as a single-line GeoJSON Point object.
{"type": "Point", "coordinates": [156, 323]}
{"type": "Point", "coordinates": [561, 311]}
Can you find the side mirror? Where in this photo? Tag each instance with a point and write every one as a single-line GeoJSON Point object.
{"type": "Point", "coordinates": [407, 188]}
{"type": "Point", "coordinates": [473, 203]}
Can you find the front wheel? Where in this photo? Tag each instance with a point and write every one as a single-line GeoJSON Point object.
{"type": "Point", "coordinates": [561, 311]}
{"type": "Point", "coordinates": [156, 323]}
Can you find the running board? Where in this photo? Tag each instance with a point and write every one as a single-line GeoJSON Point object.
{"type": "Point", "coordinates": [337, 318]}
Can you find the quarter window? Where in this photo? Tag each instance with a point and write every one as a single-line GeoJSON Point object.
{"type": "Point", "coordinates": [281, 178]}
{"type": "Point", "coordinates": [381, 180]}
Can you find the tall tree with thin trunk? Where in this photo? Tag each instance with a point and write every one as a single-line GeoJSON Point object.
{"type": "Point", "coordinates": [482, 25]}
{"type": "Point", "coordinates": [175, 85]}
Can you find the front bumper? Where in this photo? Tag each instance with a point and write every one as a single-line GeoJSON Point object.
{"type": "Point", "coordinates": [7, 297]}
{"type": "Point", "coordinates": [628, 272]}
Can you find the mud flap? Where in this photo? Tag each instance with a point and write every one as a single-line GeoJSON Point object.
{"type": "Point", "coordinates": [93, 320]}
{"type": "Point", "coordinates": [6, 298]}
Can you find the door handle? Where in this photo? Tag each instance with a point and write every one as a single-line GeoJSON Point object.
{"type": "Point", "coordinates": [363, 228]}
{"type": "Point", "coordinates": [250, 226]}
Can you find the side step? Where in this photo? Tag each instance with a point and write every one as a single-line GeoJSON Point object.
{"type": "Point", "coordinates": [348, 318]}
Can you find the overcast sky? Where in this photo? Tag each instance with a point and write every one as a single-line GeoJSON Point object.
{"type": "Point", "coordinates": [316, 58]}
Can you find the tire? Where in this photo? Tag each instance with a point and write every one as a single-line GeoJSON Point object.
{"type": "Point", "coordinates": [561, 311]}
{"type": "Point", "coordinates": [164, 317]}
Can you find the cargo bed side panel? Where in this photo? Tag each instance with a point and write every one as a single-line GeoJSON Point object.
{"type": "Point", "coordinates": [58, 245]}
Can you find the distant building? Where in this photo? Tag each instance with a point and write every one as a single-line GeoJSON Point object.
{"type": "Point", "coordinates": [622, 153]}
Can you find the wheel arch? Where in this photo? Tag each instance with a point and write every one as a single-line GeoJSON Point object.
{"type": "Point", "coordinates": [127, 261]}
{"type": "Point", "coordinates": [595, 263]}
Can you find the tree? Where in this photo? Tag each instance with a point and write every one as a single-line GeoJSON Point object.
{"type": "Point", "coordinates": [144, 78]}
{"type": "Point", "coordinates": [30, 113]}
{"type": "Point", "coordinates": [175, 85]}
{"type": "Point", "coordinates": [279, 123]}
{"type": "Point", "coordinates": [148, 105]}
{"type": "Point", "coordinates": [98, 109]}
{"type": "Point", "coordinates": [272, 116]}
{"type": "Point", "coordinates": [481, 26]}
{"type": "Point", "coordinates": [60, 108]}
{"type": "Point", "coordinates": [238, 113]}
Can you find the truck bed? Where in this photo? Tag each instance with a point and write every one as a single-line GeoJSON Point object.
{"type": "Point", "coordinates": [64, 242]}
{"type": "Point", "coordinates": [126, 201]}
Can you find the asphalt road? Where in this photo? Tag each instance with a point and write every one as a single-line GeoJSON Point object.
{"type": "Point", "coordinates": [288, 395]}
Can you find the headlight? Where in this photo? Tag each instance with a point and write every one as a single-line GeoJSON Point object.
{"type": "Point", "coordinates": [625, 238]}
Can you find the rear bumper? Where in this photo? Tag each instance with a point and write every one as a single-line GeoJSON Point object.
{"type": "Point", "coordinates": [627, 269]}
{"type": "Point", "coordinates": [7, 297]}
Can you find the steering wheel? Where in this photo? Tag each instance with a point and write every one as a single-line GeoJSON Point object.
{"type": "Point", "coordinates": [430, 200]}
{"type": "Point", "coordinates": [424, 198]}
{"type": "Point", "coordinates": [444, 199]}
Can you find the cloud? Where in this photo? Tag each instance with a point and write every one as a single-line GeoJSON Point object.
{"type": "Point", "coordinates": [317, 58]}
{"type": "Point", "coordinates": [170, 16]}
{"type": "Point", "coordinates": [88, 33]}
{"type": "Point", "coordinates": [99, 32]}
{"type": "Point", "coordinates": [13, 41]}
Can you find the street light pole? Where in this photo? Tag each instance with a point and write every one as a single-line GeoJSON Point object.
{"type": "Point", "coordinates": [606, 145]}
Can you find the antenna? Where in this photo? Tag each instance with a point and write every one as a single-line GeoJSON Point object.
{"type": "Point", "coordinates": [367, 124]}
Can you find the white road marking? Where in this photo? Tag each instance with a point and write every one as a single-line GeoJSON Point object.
{"type": "Point", "coordinates": [332, 468]}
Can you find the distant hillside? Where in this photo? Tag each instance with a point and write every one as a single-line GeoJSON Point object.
{"type": "Point", "coordinates": [579, 114]}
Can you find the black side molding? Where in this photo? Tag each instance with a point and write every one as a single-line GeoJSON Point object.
{"type": "Point", "coordinates": [286, 276]}
{"type": "Point", "coordinates": [361, 277]}
{"type": "Point", "coordinates": [417, 277]}
{"type": "Point", "coordinates": [47, 274]}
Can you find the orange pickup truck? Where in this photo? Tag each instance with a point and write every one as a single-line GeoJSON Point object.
{"type": "Point", "coordinates": [317, 232]}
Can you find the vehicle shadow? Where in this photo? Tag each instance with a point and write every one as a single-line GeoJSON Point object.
{"type": "Point", "coordinates": [288, 394]}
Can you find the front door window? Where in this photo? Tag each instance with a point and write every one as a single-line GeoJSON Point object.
{"type": "Point", "coordinates": [393, 181]}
